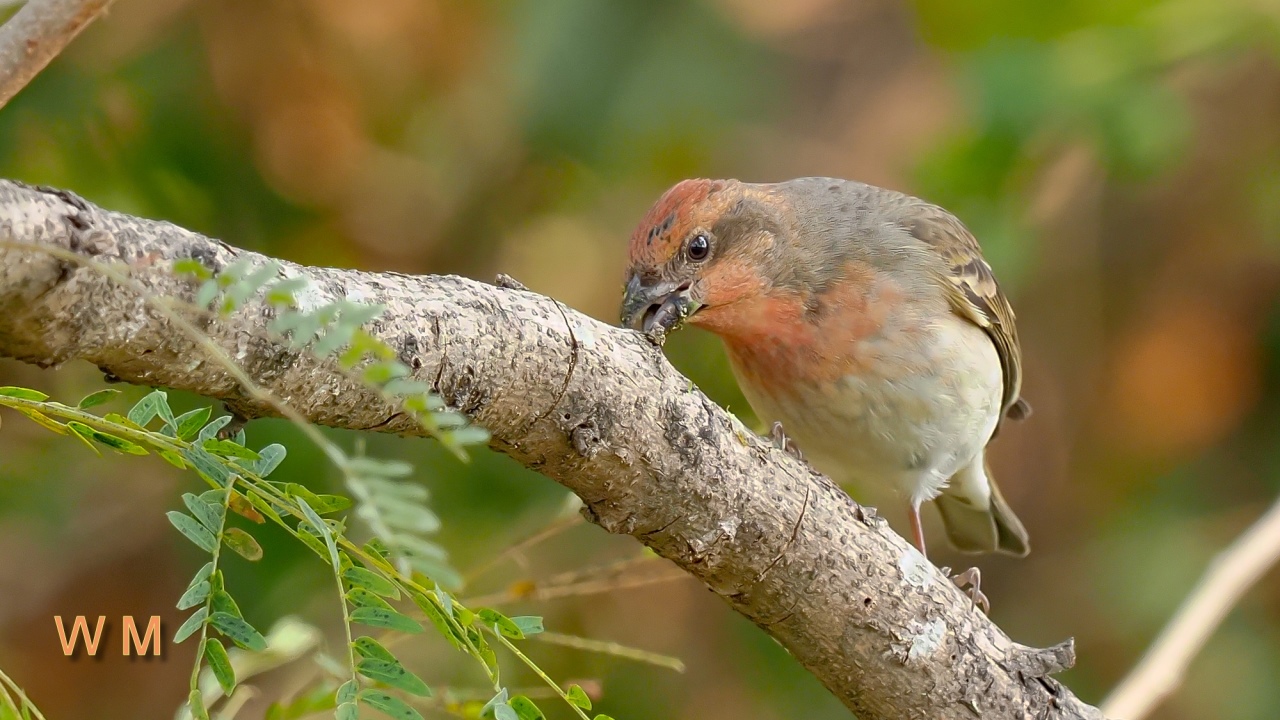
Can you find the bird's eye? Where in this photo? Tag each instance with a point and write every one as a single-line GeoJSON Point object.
{"type": "Point", "coordinates": [699, 247]}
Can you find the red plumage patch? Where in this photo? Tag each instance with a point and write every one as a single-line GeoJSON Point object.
{"type": "Point", "coordinates": [664, 227]}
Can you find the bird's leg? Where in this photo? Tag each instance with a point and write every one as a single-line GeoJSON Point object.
{"type": "Point", "coordinates": [917, 529]}
{"type": "Point", "coordinates": [970, 581]}
{"type": "Point", "coordinates": [784, 443]}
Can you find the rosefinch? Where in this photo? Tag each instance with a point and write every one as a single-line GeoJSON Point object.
{"type": "Point", "coordinates": [863, 320]}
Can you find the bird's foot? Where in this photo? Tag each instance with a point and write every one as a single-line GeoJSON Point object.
{"type": "Point", "coordinates": [970, 581]}
{"type": "Point", "coordinates": [233, 428]}
{"type": "Point", "coordinates": [784, 443]}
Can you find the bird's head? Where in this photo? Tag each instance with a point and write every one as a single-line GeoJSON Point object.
{"type": "Point", "coordinates": [697, 253]}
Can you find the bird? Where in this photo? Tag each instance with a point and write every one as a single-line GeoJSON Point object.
{"type": "Point", "coordinates": [863, 323]}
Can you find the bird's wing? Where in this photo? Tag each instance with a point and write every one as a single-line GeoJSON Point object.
{"type": "Point", "coordinates": [974, 293]}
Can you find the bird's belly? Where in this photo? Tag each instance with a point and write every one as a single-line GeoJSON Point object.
{"type": "Point", "coordinates": [908, 431]}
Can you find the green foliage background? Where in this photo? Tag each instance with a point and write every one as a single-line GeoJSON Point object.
{"type": "Point", "coordinates": [1120, 162]}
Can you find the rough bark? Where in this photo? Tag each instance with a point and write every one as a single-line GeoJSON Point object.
{"type": "Point", "coordinates": [591, 406]}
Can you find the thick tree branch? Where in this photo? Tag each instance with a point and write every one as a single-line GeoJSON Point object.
{"type": "Point", "coordinates": [36, 34]}
{"type": "Point", "coordinates": [595, 408]}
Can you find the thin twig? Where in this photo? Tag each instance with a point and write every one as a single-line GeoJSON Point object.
{"type": "Point", "coordinates": [1227, 579]}
{"type": "Point", "coordinates": [556, 527]}
{"type": "Point", "coordinates": [590, 587]}
{"type": "Point", "coordinates": [36, 34]}
{"type": "Point", "coordinates": [611, 648]}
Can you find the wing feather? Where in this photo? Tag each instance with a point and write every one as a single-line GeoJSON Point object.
{"type": "Point", "coordinates": [974, 293]}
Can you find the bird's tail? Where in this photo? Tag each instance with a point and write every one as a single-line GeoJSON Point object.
{"type": "Point", "coordinates": [978, 521]}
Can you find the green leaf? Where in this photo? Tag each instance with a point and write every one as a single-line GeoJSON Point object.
{"type": "Point", "coordinates": [191, 266]}
{"type": "Point", "coordinates": [369, 580]}
{"type": "Point", "coordinates": [501, 622]}
{"type": "Point", "coordinates": [195, 703]}
{"type": "Point", "coordinates": [97, 398]}
{"type": "Point", "coordinates": [201, 575]}
{"type": "Point", "coordinates": [282, 292]}
{"type": "Point", "coordinates": [195, 595]}
{"type": "Point", "coordinates": [347, 711]}
{"type": "Point", "coordinates": [240, 632]}
{"type": "Point", "coordinates": [603, 717]}
{"type": "Point", "coordinates": [173, 459]}
{"type": "Point", "coordinates": [377, 547]}
{"type": "Point", "coordinates": [322, 528]}
{"type": "Point", "coordinates": [269, 459]}
{"type": "Point", "coordinates": [156, 403]}
{"type": "Point", "coordinates": [347, 692]}
{"type": "Point", "coordinates": [119, 444]}
{"type": "Point", "coordinates": [578, 697]}
{"type": "Point", "coordinates": [43, 420]}
{"type": "Point", "coordinates": [84, 433]}
{"type": "Point", "coordinates": [243, 543]}
{"type": "Point", "coordinates": [394, 674]}
{"type": "Point", "coordinates": [220, 664]}
{"type": "Point", "coordinates": [499, 699]}
{"type": "Point", "coordinates": [222, 600]}
{"type": "Point", "coordinates": [229, 449]}
{"type": "Point", "coordinates": [383, 618]}
{"type": "Point", "coordinates": [264, 507]}
{"type": "Point", "coordinates": [208, 514]}
{"type": "Point", "coordinates": [505, 712]}
{"type": "Point", "coordinates": [191, 625]}
{"type": "Point", "coordinates": [381, 372]}
{"type": "Point", "coordinates": [207, 292]}
{"type": "Point", "coordinates": [445, 626]}
{"type": "Point", "coordinates": [22, 393]}
{"type": "Point", "coordinates": [389, 704]}
{"type": "Point", "coordinates": [526, 709]}
{"type": "Point", "coordinates": [469, 435]}
{"type": "Point", "coordinates": [311, 539]}
{"type": "Point", "coordinates": [360, 597]}
{"type": "Point", "coordinates": [366, 646]}
{"type": "Point", "coordinates": [189, 423]}
{"type": "Point", "coordinates": [305, 705]}
{"type": "Point", "coordinates": [373, 467]}
{"type": "Point", "coordinates": [211, 430]}
{"type": "Point", "coordinates": [320, 504]}
{"type": "Point", "coordinates": [528, 624]}
{"type": "Point", "coordinates": [449, 420]}
{"type": "Point", "coordinates": [193, 530]}
{"type": "Point", "coordinates": [207, 465]}
{"type": "Point", "coordinates": [407, 516]}
{"type": "Point", "coordinates": [264, 274]}
{"type": "Point", "coordinates": [118, 419]}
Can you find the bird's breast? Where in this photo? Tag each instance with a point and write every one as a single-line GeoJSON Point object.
{"type": "Point", "coordinates": [901, 406]}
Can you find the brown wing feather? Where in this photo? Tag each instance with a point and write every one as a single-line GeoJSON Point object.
{"type": "Point", "coordinates": [975, 294]}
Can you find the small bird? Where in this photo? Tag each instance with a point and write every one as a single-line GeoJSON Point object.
{"type": "Point", "coordinates": [863, 320]}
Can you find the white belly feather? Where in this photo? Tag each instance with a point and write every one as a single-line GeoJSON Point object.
{"type": "Point", "coordinates": [908, 434]}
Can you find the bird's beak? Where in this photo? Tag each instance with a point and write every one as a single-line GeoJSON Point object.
{"type": "Point", "coordinates": [662, 304]}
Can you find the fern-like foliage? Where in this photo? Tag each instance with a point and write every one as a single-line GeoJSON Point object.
{"type": "Point", "coordinates": [374, 592]}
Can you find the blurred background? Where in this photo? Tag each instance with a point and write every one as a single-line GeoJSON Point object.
{"type": "Point", "coordinates": [1118, 159]}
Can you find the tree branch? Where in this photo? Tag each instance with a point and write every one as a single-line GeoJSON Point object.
{"type": "Point", "coordinates": [1229, 577]}
{"type": "Point", "coordinates": [36, 34]}
{"type": "Point", "coordinates": [591, 406]}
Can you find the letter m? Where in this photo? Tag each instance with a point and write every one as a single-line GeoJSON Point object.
{"type": "Point", "coordinates": [129, 634]}
{"type": "Point", "coordinates": [78, 628]}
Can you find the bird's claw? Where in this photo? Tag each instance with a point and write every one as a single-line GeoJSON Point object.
{"type": "Point", "coordinates": [784, 443]}
{"type": "Point", "coordinates": [970, 582]}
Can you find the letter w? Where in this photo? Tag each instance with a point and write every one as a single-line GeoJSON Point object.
{"type": "Point", "coordinates": [78, 628]}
